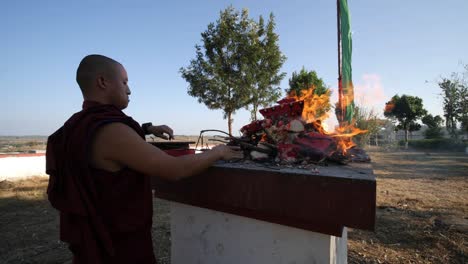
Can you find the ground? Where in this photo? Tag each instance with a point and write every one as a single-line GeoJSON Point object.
{"type": "Point", "coordinates": [422, 210]}
{"type": "Point", "coordinates": [422, 215]}
{"type": "Point", "coordinates": [22, 144]}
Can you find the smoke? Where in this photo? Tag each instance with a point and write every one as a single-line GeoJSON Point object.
{"type": "Point", "coordinates": [368, 93]}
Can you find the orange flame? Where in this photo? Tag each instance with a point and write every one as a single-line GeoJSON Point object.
{"type": "Point", "coordinates": [313, 113]}
{"type": "Point", "coordinates": [313, 104]}
{"type": "Point", "coordinates": [344, 136]}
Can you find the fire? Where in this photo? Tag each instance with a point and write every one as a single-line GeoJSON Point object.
{"type": "Point", "coordinates": [293, 131]}
{"type": "Point", "coordinates": [348, 131]}
{"type": "Point", "coordinates": [313, 113]}
{"type": "Point", "coordinates": [314, 104]}
{"type": "Point", "coordinates": [344, 136]}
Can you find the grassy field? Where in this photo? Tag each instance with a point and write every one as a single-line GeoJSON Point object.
{"type": "Point", "coordinates": [23, 143]}
{"type": "Point", "coordinates": [26, 143]}
{"type": "Point", "coordinates": [422, 215]}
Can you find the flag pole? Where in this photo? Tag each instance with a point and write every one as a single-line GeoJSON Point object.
{"type": "Point", "coordinates": [340, 109]}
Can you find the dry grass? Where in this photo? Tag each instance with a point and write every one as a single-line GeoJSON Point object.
{"type": "Point", "coordinates": [29, 225]}
{"type": "Point", "coordinates": [422, 215]}
{"type": "Point", "coordinates": [422, 209]}
{"type": "Point", "coordinates": [20, 144]}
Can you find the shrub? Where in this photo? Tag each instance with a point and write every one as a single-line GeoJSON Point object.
{"type": "Point", "coordinates": [436, 144]}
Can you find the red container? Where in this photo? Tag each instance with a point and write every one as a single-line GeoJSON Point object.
{"type": "Point", "coordinates": [175, 148]}
{"type": "Point", "coordinates": [179, 152]}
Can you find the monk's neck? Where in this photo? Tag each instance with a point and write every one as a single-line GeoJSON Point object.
{"type": "Point", "coordinates": [92, 103]}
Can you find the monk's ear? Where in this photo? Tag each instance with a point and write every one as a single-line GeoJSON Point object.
{"type": "Point", "coordinates": [101, 82]}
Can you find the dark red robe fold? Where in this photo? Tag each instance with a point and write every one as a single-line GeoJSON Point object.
{"type": "Point", "coordinates": [106, 217]}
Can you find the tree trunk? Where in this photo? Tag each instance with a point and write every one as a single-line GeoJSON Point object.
{"type": "Point", "coordinates": [406, 138]}
{"type": "Point", "coordinates": [377, 139]}
{"type": "Point", "coordinates": [253, 112]}
{"type": "Point", "coordinates": [229, 115]}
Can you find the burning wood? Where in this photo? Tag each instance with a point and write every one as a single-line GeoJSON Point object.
{"type": "Point", "coordinates": [285, 137]}
{"type": "Point", "coordinates": [289, 134]}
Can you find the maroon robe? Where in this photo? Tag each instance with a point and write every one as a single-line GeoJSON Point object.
{"type": "Point", "coordinates": [105, 217]}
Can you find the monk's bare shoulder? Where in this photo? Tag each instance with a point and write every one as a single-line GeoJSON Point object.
{"type": "Point", "coordinates": [117, 145]}
{"type": "Point", "coordinates": [103, 143]}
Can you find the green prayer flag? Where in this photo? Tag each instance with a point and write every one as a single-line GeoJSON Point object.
{"type": "Point", "coordinates": [346, 70]}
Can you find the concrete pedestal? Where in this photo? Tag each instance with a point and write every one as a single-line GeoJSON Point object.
{"type": "Point", "coordinates": [14, 167]}
{"type": "Point", "coordinates": [204, 236]}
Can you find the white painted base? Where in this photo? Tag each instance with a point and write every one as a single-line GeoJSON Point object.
{"type": "Point", "coordinates": [203, 236]}
{"type": "Point", "coordinates": [14, 168]}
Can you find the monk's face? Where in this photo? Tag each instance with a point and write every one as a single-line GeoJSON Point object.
{"type": "Point", "coordinates": [119, 90]}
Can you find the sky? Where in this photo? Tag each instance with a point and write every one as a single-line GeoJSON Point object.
{"type": "Point", "coordinates": [399, 47]}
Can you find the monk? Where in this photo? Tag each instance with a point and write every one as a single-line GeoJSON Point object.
{"type": "Point", "coordinates": [100, 168]}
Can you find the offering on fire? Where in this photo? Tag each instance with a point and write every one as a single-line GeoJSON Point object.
{"type": "Point", "coordinates": [292, 133]}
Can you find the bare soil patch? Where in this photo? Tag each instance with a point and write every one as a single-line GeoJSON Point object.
{"type": "Point", "coordinates": [422, 210]}
{"type": "Point", "coordinates": [422, 215]}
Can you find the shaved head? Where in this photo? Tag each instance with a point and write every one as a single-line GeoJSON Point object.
{"type": "Point", "coordinates": [91, 67]}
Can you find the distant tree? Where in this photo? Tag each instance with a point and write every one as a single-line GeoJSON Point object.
{"type": "Point", "coordinates": [407, 110]}
{"type": "Point", "coordinates": [455, 101]}
{"type": "Point", "coordinates": [366, 119]}
{"type": "Point", "coordinates": [450, 101]}
{"type": "Point", "coordinates": [433, 124]}
{"type": "Point", "coordinates": [305, 80]}
{"type": "Point", "coordinates": [413, 126]}
{"type": "Point", "coordinates": [462, 105]}
{"type": "Point", "coordinates": [264, 63]}
{"type": "Point", "coordinates": [237, 65]}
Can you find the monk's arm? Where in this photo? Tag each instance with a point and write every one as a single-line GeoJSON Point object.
{"type": "Point", "coordinates": [119, 143]}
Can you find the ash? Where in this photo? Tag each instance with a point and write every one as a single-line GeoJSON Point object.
{"type": "Point", "coordinates": [355, 171]}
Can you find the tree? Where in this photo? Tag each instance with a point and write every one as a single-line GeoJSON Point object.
{"type": "Point", "coordinates": [305, 80]}
{"type": "Point", "coordinates": [407, 110]}
{"type": "Point", "coordinates": [450, 101]}
{"type": "Point", "coordinates": [237, 64]}
{"type": "Point", "coordinates": [366, 120]}
{"type": "Point", "coordinates": [462, 105]}
{"type": "Point", "coordinates": [264, 62]}
{"type": "Point", "coordinates": [413, 126]}
{"type": "Point", "coordinates": [433, 124]}
{"type": "Point", "coordinates": [215, 76]}
{"type": "Point", "coordinates": [455, 101]}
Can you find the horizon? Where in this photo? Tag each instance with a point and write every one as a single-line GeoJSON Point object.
{"type": "Point", "coordinates": [398, 48]}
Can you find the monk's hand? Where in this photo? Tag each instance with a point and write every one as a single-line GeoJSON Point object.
{"type": "Point", "coordinates": [228, 152]}
{"type": "Point", "coordinates": [162, 131]}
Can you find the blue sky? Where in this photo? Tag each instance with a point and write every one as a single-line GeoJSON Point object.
{"type": "Point", "coordinates": [399, 47]}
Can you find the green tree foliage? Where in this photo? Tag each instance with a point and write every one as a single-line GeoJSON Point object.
{"type": "Point", "coordinates": [366, 120]}
{"type": "Point", "coordinates": [433, 124]}
{"type": "Point", "coordinates": [463, 107]}
{"type": "Point", "coordinates": [462, 104]}
{"type": "Point", "coordinates": [264, 63]}
{"type": "Point", "coordinates": [304, 80]}
{"type": "Point", "coordinates": [450, 99]}
{"type": "Point", "coordinates": [413, 126]}
{"type": "Point", "coordinates": [455, 101]}
{"type": "Point", "coordinates": [407, 110]}
{"type": "Point", "coordinates": [236, 65]}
